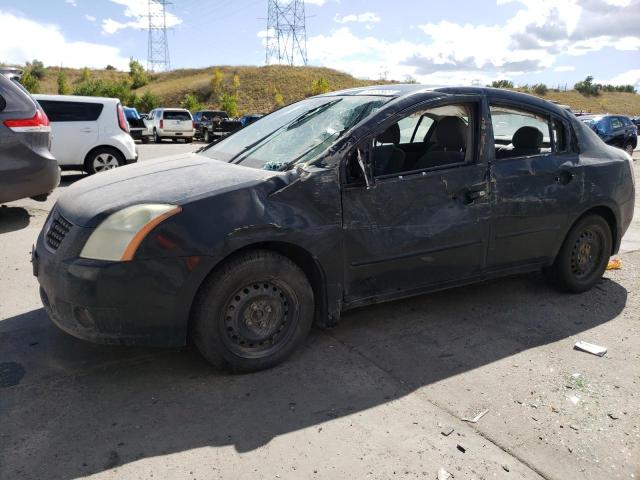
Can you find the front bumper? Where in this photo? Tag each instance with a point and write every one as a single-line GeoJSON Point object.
{"type": "Point", "coordinates": [142, 302]}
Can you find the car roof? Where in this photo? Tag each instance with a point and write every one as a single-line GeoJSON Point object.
{"type": "Point", "coordinates": [75, 98]}
{"type": "Point", "coordinates": [400, 91]}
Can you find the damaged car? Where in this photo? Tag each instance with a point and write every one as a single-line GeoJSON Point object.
{"type": "Point", "coordinates": [335, 202]}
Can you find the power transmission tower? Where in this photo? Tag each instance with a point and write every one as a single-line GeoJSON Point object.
{"type": "Point", "coordinates": [286, 32]}
{"type": "Point", "coordinates": [158, 53]}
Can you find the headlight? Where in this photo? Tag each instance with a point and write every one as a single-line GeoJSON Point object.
{"type": "Point", "coordinates": [118, 237]}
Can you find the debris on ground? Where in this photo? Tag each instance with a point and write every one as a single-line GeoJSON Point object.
{"type": "Point", "coordinates": [505, 468]}
{"type": "Point", "coordinates": [443, 474]}
{"type": "Point", "coordinates": [476, 418]}
{"type": "Point", "coordinates": [461, 448]}
{"type": "Point", "coordinates": [613, 416]}
{"type": "Point", "coordinates": [614, 264]}
{"type": "Point", "coordinates": [590, 348]}
{"type": "Point", "coordinates": [447, 431]}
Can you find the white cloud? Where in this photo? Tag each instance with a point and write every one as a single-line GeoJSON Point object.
{"type": "Point", "coordinates": [91, 18]}
{"type": "Point", "coordinates": [367, 17]}
{"type": "Point", "coordinates": [73, 3]}
{"type": "Point", "coordinates": [630, 77]}
{"type": "Point", "coordinates": [50, 46]}
{"type": "Point", "coordinates": [138, 13]}
{"type": "Point", "coordinates": [564, 68]}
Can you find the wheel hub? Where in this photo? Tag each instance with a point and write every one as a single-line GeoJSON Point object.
{"type": "Point", "coordinates": [584, 256]}
{"type": "Point", "coordinates": [256, 317]}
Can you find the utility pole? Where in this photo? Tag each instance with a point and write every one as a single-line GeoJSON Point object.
{"type": "Point", "coordinates": [286, 33]}
{"type": "Point", "coordinates": [158, 53]}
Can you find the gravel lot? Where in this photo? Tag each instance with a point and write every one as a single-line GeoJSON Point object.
{"type": "Point", "coordinates": [368, 399]}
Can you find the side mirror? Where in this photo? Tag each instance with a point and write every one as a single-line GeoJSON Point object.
{"type": "Point", "coordinates": [364, 169]}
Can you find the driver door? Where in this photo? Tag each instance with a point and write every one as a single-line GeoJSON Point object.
{"type": "Point", "coordinates": [416, 230]}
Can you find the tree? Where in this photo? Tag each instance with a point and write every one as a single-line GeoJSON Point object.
{"type": "Point", "coordinates": [540, 89]}
{"type": "Point", "coordinates": [30, 81]}
{"type": "Point", "coordinates": [216, 83]}
{"type": "Point", "coordinates": [502, 84]}
{"type": "Point", "coordinates": [85, 75]}
{"type": "Point", "coordinates": [191, 103]}
{"type": "Point", "coordinates": [319, 86]}
{"type": "Point", "coordinates": [36, 67]}
{"type": "Point", "coordinates": [137, 73]}
{"type": "Point", "coordinates": [229, 103]}
{"type": "Point", "coordinates": [147, 102]}
{"type": "Point", "coordinates": [110, 67]}
{"type": "Point", "coordinates": [63, 84]}
{"type": "Point", "coordinates": [587, 87]}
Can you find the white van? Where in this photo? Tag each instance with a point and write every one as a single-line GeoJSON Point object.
{"type": "Point", "coordinates": [88, 133]}
{"type": "Point", "coordinates": [173, 123]}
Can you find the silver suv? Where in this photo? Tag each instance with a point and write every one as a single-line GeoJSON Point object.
{"type": "Point", "coordinates": [27, 168]}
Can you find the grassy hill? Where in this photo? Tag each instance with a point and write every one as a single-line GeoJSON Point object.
{"type": "Point", "coordinates": [259, 87]}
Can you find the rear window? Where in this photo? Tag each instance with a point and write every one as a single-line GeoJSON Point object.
{"type": "Point", "coordinates": [176, 115]}
{"type": "Point", "coordinates": [58, 111]}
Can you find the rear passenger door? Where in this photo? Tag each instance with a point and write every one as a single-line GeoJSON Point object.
{"type": "Point", "coordinates": [535, 185]}
{"type": "Point", "coordinates": [74, 129]}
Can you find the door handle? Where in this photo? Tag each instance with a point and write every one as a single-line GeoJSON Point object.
{"type": "Point", "coordinates": [564, 177]}
{"type": "Point", "coordinates": [86, 130]}
{"type": "Point", "coordinates": [475, 193]}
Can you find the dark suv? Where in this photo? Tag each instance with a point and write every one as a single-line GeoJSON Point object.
{"type": "Point", "coordinates": [213, 124]}
{"type": "Point", "coordinates": [616, 130]}
{"type": "Point", "coordinates": [27, 168]}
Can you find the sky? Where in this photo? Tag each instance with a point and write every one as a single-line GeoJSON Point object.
{"type": "Point", "coordinates": [452, 42]}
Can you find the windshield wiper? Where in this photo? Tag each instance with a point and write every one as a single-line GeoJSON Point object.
{"type": "Point", "coordinates": [305, 117]}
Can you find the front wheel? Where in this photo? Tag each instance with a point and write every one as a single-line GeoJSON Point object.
{"type": "Point", "coordinates": [583, 257]}
{"type": "Point", "coordinates": [205, 137]}
{"type": "Point", "coordinates": [253, 312]}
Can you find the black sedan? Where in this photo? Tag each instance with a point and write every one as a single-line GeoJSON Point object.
{"type": "Point", "coordinates": [335, 202]}
{"type": "Point", "coordinates": [616, 130]}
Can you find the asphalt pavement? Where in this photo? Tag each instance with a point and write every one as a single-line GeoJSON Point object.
{"type": "Point", "coordinates": [383, 395]}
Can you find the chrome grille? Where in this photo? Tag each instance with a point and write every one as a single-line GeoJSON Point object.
{"type": "Point", "coordinates": [58, 229]}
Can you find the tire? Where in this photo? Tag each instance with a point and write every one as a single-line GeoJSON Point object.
{"type": "Point", "coordinates": [583, 256]}
{"type": "Point", "coordinates": [103, 159]}
{"type": "Point", "coordinates": [628, 147]}
{"type": "Point", "coordinates": [205, 137]}
{"type": "Point", "coordinates": [156, 138]}
{"type": "Point", "coordinates": [252, 312]}
{"type": "Point", "coordinates": [188, 140]}
{"type": "Point", "coordinates": [145, 140]}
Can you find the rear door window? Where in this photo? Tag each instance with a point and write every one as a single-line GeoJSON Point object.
{"type": "Point", "coordinates": [519, 133]}
{"type": "Point", "coordinates": [177, 115]}
{"type": "Point", "coordinates": [58, 111]}
{"type": "Point", "coordinates": [615, 123]}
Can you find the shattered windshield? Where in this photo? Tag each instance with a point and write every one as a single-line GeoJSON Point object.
{"type": "Point", "coordinates": [294, 134]}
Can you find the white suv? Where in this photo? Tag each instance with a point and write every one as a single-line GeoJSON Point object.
{"type": "Point", "coordinates": [89, 133]}
{"type": "Point", "coordinates": [173, 123]}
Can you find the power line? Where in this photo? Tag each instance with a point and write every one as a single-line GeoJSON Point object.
{"type": "Point", "coordinates": [158, 53]}
{"type": "Point", "coordinates": [286, 32]}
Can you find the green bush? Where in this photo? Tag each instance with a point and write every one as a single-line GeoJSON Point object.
{"type": "Point", "coordinates": [137, 73]}
{"type": "Point", "coordinates": [36, 67]}
{"type": "Point", "coordinates": [540, 89]}
{"type": "Point", "coordinates": [191, 103]}
{"type": "Point", "coordinates": [319, 86]}
{"type": "Point", "coordinates": [502, 84]}
{"type": "Point", "coordinates": [146, 102]}
{"type": "Point", "coordinates": [63, 84]}
{"type": "Point", "coordinates": [229, 103]}
{"type": "Point", "coordinates": [586, 87]}
{"type": "Point", "coordinates": [30, 81]}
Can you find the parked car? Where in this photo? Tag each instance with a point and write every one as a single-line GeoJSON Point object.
{"type": "Point", "coordinates": [137, 128]}
{"type": "Point", "coordinates": [202, 117]}
{"type": "Point", "coordinates": [636, 121]}
{"type": "Point", "coordinates": [27, 168]}
{"type": "Point", "coordinates": [173, 123]}
{"type": "Point", "coordinates": [335, 202]}
{"type": "Point", "coordinates": [616, 130]}
{"type": "Point", "coordinates": [214, 124]}
{"type": "Point", "coordinates": [249, 119]}
{"type": "Point", "coordinates": [88, 133]}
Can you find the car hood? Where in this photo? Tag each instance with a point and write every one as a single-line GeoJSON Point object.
{"type": "Point", "coordinates": [174, 180]}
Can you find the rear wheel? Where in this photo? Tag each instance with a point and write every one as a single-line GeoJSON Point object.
{"type": "Point", "coordinates": [205, 137]}
{"type": "Point", "coordinates": [583, 257]}
{"type": "Point", "coordinates": [253, 312]}
{"type": "Point", "coordinates": [103, 159]}
{"type": "Point", "coordinates": [156, 137]}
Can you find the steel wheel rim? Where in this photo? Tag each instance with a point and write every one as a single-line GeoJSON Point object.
{"type": "Point", "coordinates": [586, 253]}
{"type": "Point", "coordinates": [105, 161]}
{"type": "Point", "coordinates": [629, 149]}
{"type": "Point", "coordinates": [258, 319]}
